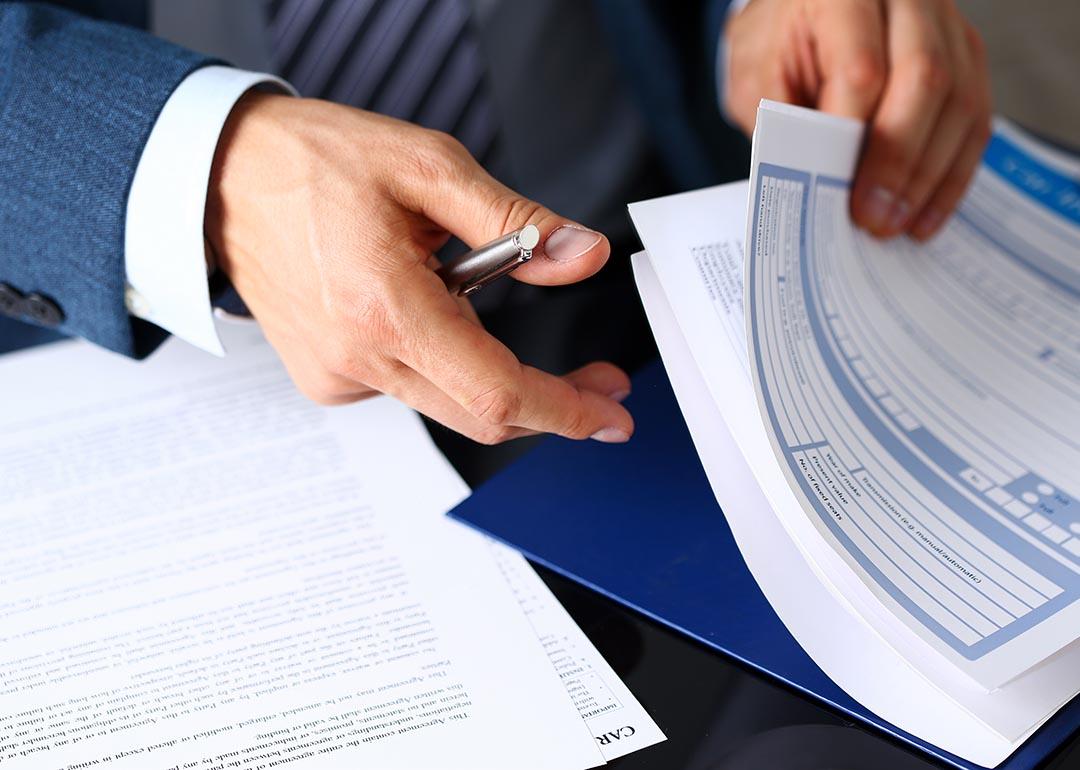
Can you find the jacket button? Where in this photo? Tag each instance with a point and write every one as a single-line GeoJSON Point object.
{"type": "Point", "coordinates": [11, 301]}
{"type": "Point", "coordinates": [43, 310]}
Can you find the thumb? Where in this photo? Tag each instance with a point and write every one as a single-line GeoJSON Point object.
{"type": "Point", "coordinates": [476, 208]}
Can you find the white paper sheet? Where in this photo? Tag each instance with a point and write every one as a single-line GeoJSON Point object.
{"type": "Point", "coordinates": [615, 719]}
{"type": "Point", "coordinates": [690, 285]}
{"type": "Point", "coordinates": [199, 569]}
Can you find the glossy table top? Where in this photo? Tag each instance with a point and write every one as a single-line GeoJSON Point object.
{"type": "Point", "coordinates": [719, 716]}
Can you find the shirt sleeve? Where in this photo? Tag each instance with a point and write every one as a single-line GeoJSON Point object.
{"type": "Point", "coordinates": [722, 68]}
{"type": "Point", "coordinates": [165, 253]}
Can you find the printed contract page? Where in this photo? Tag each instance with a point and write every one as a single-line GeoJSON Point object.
{"type": "Point", "coordinates": [201, 568]}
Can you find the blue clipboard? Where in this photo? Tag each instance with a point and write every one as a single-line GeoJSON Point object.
{"type": "Point", "coordinates": [638, 523]}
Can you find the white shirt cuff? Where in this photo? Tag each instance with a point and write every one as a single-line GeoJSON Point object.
{"type": "Point", "coordinates": [722, 62]}
{"type": "Point", "coordinates": [164, 248]}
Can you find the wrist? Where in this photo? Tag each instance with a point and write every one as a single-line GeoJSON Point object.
{"type": "Point", "coordinates": [250, 139]}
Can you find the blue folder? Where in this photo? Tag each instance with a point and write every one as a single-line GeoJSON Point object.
{"type": "Point", "coordinates": [638, 523]}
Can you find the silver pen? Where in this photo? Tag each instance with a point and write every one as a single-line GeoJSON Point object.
{"type": "Point", "coordinates": [475, 269]}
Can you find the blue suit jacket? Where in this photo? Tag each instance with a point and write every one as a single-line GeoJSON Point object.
{"type": "Point", "coordinates": [78, 97]}
{"type": "Point", "coordinates": [81, 86]}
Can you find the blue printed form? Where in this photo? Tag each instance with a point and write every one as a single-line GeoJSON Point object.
{"type": "Point", "coordinates": [889, 428]}
{"type": "Point", "coordinates": [924, 401]}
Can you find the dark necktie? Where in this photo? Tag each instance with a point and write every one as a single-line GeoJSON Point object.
{"type": "Point", "coordinates": [417, 60]}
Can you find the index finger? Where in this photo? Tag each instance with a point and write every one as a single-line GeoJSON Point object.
{"type": "Point", "coordinates": [486, 379]}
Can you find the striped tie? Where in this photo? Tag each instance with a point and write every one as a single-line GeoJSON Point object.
{"type": "Point", "coordinates": [411, 59]}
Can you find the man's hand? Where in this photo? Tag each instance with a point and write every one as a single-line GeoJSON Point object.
{"type": "Point", "coordinates": [914, 69]}
{"type": "Point", "coordinates": [325, 219]}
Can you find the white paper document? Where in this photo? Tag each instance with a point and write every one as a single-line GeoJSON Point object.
{"type": "Point", "coordinates": [198, 568]}
{"type": "Point", "coordinates": [615, 719]}
{"type": "Point", "coordinates": [976, 699]}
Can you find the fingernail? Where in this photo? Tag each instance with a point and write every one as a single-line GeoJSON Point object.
{"type": "Point", "coordinates": [611, 436]}
{"type": "Point", "coordinates": [569, 242]}
{"type": "Point", "coordinates": [898, 217]}
{"type": "Point", "coordinates": [928, 223]}
{"type": "Point", "coordinates": [619, 395]}
{"type": "Point", "coordinates": [877, 206]}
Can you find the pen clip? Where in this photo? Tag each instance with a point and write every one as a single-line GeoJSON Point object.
{"type": "Point", "coordinates": [477, 282]}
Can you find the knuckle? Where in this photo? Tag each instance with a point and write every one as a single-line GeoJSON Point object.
{"type": "Point", "coordinates": [968, 103]}
{"type": "Point", "coordinates": [320, 390]}
{"type": "Point", "coordinates": [386, 373]}
{"type": "Point", "coordinates": [578, 427]}
{"type": "Point", "coordinates": [510, 211]}
{"type": "Point", "coordinates": [375, 322]}
{"type": "Point", "coordinates": [576, 422]}
{"type": "Point", "coordinates": [493, 435]}
{"type": "Point", "coordinates": [345, 357]}
{"type": "Point", "coordinates": [865, 73]}
{"type": "Point", "coordinates": [444, 145]}
{"type": "Point", "coordinates": [496, 406]}
{"type": "Point", "coordinates": [337, 358]}
{"type": "Point", "coordinates": [434, 155]}
{"type": "Point", "coordinates": [930, 72]}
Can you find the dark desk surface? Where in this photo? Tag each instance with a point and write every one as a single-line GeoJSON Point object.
{"type": "Point", "coordinates": [719, 716]}
{"type": "Point", "coordinates": [716, 714]}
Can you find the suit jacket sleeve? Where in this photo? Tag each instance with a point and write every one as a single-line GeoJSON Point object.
{"type": "Point", "coordinates": [78, 99]}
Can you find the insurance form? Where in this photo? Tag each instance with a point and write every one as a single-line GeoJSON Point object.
{"type": "Point", "coordinates": [692, 281]}
{"type": "Point", "coordinates": [924, 402]}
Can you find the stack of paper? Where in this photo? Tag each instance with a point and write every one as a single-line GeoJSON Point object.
{"type": "Point", "coordinates": [198, 568]}
{"type": "Point", "coordinates": [891, 429]}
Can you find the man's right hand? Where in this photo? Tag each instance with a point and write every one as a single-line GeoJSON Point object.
{"type": "Point", "coordinates": [325, 219]}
